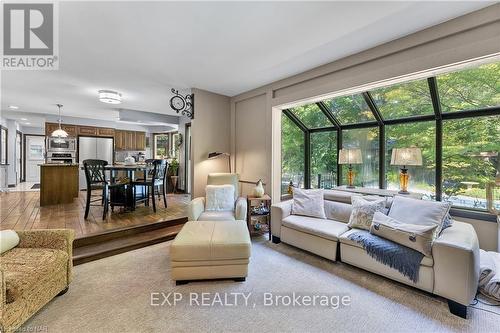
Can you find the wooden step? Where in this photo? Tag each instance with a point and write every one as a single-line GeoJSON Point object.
{"type": "Point", "coordinates": [104, 245]}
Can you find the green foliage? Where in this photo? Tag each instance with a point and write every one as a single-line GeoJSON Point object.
{"type": "Point", "coordinates": [350, 109]}
{"type": "Point", "coordinates": [470, 89]}
{"type": "Point", "coordinates": [311, 116]}
{"type": "Point", "coordinates": [403, 100]}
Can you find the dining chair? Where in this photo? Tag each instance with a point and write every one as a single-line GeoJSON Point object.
{"type": "Point", "coordinates": [95, 175]}
{"type": "Point", "coordinates": [156, 185]}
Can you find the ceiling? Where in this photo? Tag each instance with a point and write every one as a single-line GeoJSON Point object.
{"type": "Point", "coordinates": [143, 49]}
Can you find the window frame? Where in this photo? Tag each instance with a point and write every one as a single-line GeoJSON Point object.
{"type": "Point", "coordinates": [380, 122]}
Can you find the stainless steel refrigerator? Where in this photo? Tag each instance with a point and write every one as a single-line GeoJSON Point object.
{"type": "Point", "coordinates": [93, 148]}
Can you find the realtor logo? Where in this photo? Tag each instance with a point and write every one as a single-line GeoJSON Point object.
{"type": "Point", "coordinates": [29, 36]}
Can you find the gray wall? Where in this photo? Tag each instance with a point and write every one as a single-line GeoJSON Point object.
{"type": "Point", "coordinates": [210, 132]}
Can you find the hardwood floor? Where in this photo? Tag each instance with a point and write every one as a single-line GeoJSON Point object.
{"type": "Point", "coordinates": [22, 211]}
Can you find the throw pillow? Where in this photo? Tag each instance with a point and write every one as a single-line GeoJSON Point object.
{"type": "Point", "coordinates": [423, 212]}
{"type": "Point", "coordinates": [8, 240]}
{"type": "Point", "coordinates": [308, 203]}
{"type": "Point", "coordinates": [219, 197]}
{"type": "Point", "coordinates": [362, 212]}
{"type": "Point", "coordinates": [415, 236]}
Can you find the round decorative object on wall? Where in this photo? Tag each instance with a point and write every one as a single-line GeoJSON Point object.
{"type": "Point", "coordinates": [182, 104]}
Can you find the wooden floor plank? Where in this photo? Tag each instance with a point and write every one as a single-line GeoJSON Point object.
{"type": "Point", "coordinates": [22, 211]}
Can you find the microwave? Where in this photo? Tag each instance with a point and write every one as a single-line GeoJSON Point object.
{"type": "Point", "coordinates": [61, 144]}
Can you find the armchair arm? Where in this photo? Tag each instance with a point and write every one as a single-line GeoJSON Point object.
{"type": "Point", "coordinates": [57, 239]}
{"type": "Point", "coordinates": [456, 263]}
{"type": "Point", "coordinates": [240, 212]}
{"type": "Point", "coordinates": [195, 208]}
{"type": "Point", "coordinates": [278, 212]}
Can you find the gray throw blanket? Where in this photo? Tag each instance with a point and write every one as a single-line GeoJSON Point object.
{"type": "Point", "coordinates": [402, 258]}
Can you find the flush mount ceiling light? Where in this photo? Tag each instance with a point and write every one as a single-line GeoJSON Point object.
{"type": "Point", "coordinates": [110, 97]}
{"type": "Point", "coordinates": [59, 133]}
{"type": "Point", "coordinates": [13, 107]}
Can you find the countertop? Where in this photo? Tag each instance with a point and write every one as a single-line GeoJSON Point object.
{"type": "Point", "coordinates": [59, 165]}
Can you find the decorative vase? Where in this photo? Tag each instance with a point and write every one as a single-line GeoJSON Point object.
{"type": "Point", "coordinates": [258, 190]}
{"type": "Point", "coordinates": [174, 182]}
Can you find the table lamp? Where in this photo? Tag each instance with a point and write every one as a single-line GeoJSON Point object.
{"type": "Point", "coordinates": [404, 157]}
{"type": "Point", "coordinates": [216, 154]}
{"type": "Point", "coordinates": [350, 156]}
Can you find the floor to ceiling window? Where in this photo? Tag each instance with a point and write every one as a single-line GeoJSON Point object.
{"type": "Point", "coordinates": [366, 139]}
{"type": "Point", "coordinates": [453, 118]}
{"type": "Point", "coordinates": [292, 155]}
{"type": "Point", "coordinates": [324, 159]}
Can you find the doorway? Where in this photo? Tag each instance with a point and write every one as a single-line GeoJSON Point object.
{"type": "Point", "coordinates": [19, 157]}
{"type": "Point", "coordinates": [35, 155]}
{"type": "Point", "coordinates": [187, 158]}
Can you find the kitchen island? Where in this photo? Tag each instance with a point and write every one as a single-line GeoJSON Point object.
{"type": "Point", "coordinates": [58, 183]}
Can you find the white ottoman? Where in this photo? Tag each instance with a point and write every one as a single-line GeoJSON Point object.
{"type": "Point", "coordinates": [211, 250]}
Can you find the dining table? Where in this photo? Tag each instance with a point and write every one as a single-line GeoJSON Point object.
{"type": "Point", "coordinates": [131, 170]}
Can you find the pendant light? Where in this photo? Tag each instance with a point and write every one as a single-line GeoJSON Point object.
{"type": "Point", "coordinates": [59, 133]}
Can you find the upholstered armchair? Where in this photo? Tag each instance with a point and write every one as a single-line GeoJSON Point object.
{"type": "Point", "coordinates": [196, 208]}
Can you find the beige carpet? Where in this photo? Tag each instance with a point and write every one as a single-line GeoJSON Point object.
{"type": "Point", "coordinates": [114, 294]}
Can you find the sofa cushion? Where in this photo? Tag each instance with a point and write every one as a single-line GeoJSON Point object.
{"type": "Point", "coordinates": [344, 239]}
{"type": "Point", "coordinates": [8, 240]}
{"type": "Point", "coordinates": [415, 236]}
{"type": "Point", "coordinates": [319, 227]}
{"type": "Point", "coordinates": [339, 196]}
{"type": "Point", "coordinates": [362, 212]}
{"type": "Point", "coordinates": [338, 211]}
{"type": "Point", "coordinates": [413, 211]}
{"type": "Point", "coordinates": [217, 216]}
{"type": "Point", "coordinates": [219, 197]}
{"type": "Point", "coordinates": [25, 267]}
{"type": "Point", "coordinates": [308, 203]}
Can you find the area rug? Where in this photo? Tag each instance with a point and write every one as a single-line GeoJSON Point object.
{"type": "Point", "coordinates": [133, 292]}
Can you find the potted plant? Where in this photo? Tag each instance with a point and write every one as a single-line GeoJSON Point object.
{"type": "Point", "coordinates": [172, 170]}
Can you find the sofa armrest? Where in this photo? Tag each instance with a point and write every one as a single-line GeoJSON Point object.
{"type": "Point", "coordinates": [57, 239]}
{"type": "Point", "coordinates": [195, 208]}
{"type": "Point", "coordinates": [240, 212]}
{"type": "Point", "coordinates": [278, 212]}
{"type": "Point", "coordinates": [456, 263]}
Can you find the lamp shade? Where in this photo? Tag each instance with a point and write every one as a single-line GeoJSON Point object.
{"type": "Point", "coordinates": [216, 154]}
{"type": "Point", "coordinates": [350, 156]}
{"type": "Point", "coordinates": [406, 156]}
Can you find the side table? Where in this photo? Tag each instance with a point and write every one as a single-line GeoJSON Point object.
{"type": "Point", "coordinates": [259, 215]}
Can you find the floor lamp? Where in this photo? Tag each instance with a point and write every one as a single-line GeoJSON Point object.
{"type": "Point", "coordinates": [215, 154]}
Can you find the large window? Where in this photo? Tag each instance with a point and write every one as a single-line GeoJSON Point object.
{"type": "Point", "coordinates": [470, 89]}
{"type": "Point", "coordinates": [454, 119]}
{"type": "Point", "coordinates": [292, 155]}
{"type": "Point", "coordinates": [324, 159]}
{"type": "Point", "coordinates": [470, 160]}
{"type": "Point", "coordinates": [423, 136]}
{"type": "Point", "coordinates": [404, 100]}
{"type": "Point", "coordinates": [161, 145]}
{"type": "Point", "coordinates": [366, 139]}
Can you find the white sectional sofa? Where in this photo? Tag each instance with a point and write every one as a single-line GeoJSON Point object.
{"type": "Point", "coordinates": [451, 272]}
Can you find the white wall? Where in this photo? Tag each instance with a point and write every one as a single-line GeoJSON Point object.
{"type": "Point", "coordinates": [210, 132]}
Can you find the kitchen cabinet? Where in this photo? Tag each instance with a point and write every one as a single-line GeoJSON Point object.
{"type": "Point", "coordinates": [87, 130]}
{"type": "Point", "coordinates": [102, 131]}
{"type": "Point", "coordinates": [51, 127]}
{"type": "Point", "coordinates": [140, 141]}
{"type": "Point", "coordinates": [130, 140]}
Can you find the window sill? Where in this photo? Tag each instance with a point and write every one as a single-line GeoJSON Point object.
{"type": "Point", "coordinates": [473, 214]}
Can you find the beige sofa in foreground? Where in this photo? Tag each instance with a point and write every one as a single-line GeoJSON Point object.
{"type": "Point", "coordinates": [33, 273]}
{"type": "Point", "coordinates": [451, 272]}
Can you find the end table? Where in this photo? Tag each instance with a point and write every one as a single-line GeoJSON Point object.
{"type": "Point", "coordinates": [259, 215]}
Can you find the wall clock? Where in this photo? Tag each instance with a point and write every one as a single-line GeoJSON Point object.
{"type": "Point", "coordinates": [182, 104]}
